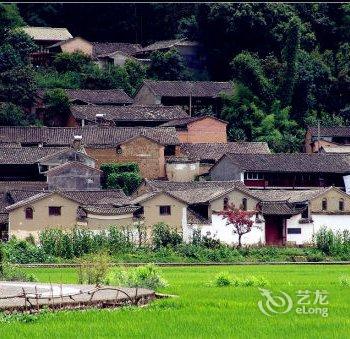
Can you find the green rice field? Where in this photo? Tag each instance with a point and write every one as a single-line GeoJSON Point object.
{"type": "Point", "coordinates": [202, 310]}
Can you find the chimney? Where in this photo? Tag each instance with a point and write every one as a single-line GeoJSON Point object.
{"type": "Point", "coordinates": [77, 142]}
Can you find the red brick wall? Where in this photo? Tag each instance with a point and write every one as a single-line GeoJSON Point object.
{"type": "Point", "coordinates": [205, 130]}
{"type": "Point", "coordinates": [146, 153]}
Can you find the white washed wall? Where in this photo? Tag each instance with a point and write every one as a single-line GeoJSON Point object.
{"type": "Point", "coordinates": [333, 222]}
{"type": "Point", "coordinates": [219, 230]}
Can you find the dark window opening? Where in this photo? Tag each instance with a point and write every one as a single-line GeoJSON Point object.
{"type": "Point", "coordinates": [341, 205]}
{"type": "Point", "coordinates": [244, 204]}
{"type": "Point", "coordinates": [54, 210]}
{"type": "Point", "coordinates": [324, 204]}
{"type": "Point", "coordinates": [226, 203]}
{"type": "Point", "coordinates": [165, 210]}
{"type": "Point", "coordinates": [119, 150]}
{"type": "Point", "coordinates": [294, 230]}
{"type": "Point", "coordinates": [305, 213]}
{"type": "Point", "coordinates": [169, 150]}
{"type": "Point", "coordinates": [29, 213]}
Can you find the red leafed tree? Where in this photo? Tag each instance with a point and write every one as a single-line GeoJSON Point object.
{"type": "Point", "coordinates": [240, 220]}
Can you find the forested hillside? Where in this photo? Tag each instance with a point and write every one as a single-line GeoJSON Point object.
{"type": "Point", "coordinates": [289, 62]}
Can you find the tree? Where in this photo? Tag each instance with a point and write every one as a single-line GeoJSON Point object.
{"type": "Point", "coordinates": [168, 66]}
{"type": "Point", "coordinates": [9, 19]}
{"type": "Point", "coordinates": [11, 115]}
{"type": "Point", "coordinates": [76, 62]}
{"type": "Point", "coordinates": [136, 73]}
{"type": "Point", "coordinates": [57, 107]}
{"type": "Point", "coordinates": [240, 220]}
{"type": "Point", "coordinates": [290, 54]}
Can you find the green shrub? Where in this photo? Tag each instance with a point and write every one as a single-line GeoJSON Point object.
{"type": "Point", "coordinates": [120, 167]}
{"type": "Point", "coordinates": [127, 181]}
{"type": "Point", "coordinates": [147, 276]}
{"type": "Point", "coordinates": [223, 279]}
{"type": "Point", "coordinates": [11, 272]}
{"type": "Point", "coordinates": [163, 235]}
{"type": "Point", "coordinates": [76, 62]}
{"type": "Point", "coordinates": [93, 268]}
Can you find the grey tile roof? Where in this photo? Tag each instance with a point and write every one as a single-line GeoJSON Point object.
{"type": "Point", "coordinates": [195, 218]}
{"type": "Point", "coordinates": [128, 113]}
{"type": "Point", "coordinates": [22, 185]}
{"type": "Point", "coordinates": [336, 149]}
{"type": "Point", "coordinates": [337, 131]}
{"type": "Point", "coordinates": [203, 89]}
{"type": "Point", "coordinates": [91, 135]}
{"type": "Point", "coordinates": [214, 151]}
{"type": "Point", "coordinates": [291, 162]}
{"type": "Point", "coordinates": [182, 122]}
{"type": "Point", "coordinates": [291, 195]}
{"type": "Point", "coordinates": [279, 208]}
{"type": "Point", "coordinates": [26, 155]}
{"type": "Point", "coordinates": [195, 191]}
{"type": "Point", "coordinates": [105, 48]}
{"type": "Point", "coordinates": [94, 96]}
{"type": "Point", "coordinates": [47, 33]}
{"type": "Point", "coordinates": [166, 44]}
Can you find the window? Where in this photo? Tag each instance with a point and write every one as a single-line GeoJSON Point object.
{"type": "Point", "coordinates": [305, 213]}
{"type": "Point", "coordinates": [253, 176]}
{"type": "Point", "coordinates": [225, 203]}
{"type": "Point", "coordinates": [341, 204]}
{"type": "Point", "coordinates": [165, 210]}
{"type": "Point", "coordinates": [119, 150]}
{"type": "Point", "coordinates": [324, 204]}
{"type": "Point", "coordinates": [294, 230]}
{"type": "Point", "coordinates": [29, 213]}
{"type": "Point", "coordinates": [244, 204]}
{"type": "Point", "coordinates": [54, 210]}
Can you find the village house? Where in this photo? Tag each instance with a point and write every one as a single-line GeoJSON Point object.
{"type": "Point", "coordinates": [207, 154]}
{"type": "Point", "coordinates": [147, 146]}
{"type": "Point", "coordinates": [124, 116]}
{"type": "Point", "coordinates": [103, 53]}
{"type": "Point", "coordinates": [43, 38]}
{"type": "Point", "coordinates": [32, 163]}
{"type": "Point", "coordinates": [190, 51]}
{"type": "Point", "coordinates": [330, 137]}
{"type": "Point", "coordinates": [200, 129]}
{"type": "Point", "coordinates": [193, 96]}
{"type": "Point", "coordinates": [292, 170]}
{"type": "Point", "coordinates": [295, 216]}
{"type": "Point", "coordinates": [29, 213]}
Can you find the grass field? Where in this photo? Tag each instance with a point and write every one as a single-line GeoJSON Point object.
{"type": "Point", "coordinates": [201, 310]}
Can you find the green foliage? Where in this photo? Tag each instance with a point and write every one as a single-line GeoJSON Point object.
{"type": "Point", "coordinates": [333, 244]}
{"type": "Point", "coordinates": [93, 268]}
{"type": "Point", "coordinates": [50, 78]}
{"type": "Point", "coordinates": [11, 115]}
{"type": "Point", "coordinates": [9, 18]}
{"type": "Point", "coordinates": [136, 73]}
{"type": "Point", "coordinates": [163, 235]}
{"type": "Point", "coordinates": [223, 279]}
{"type": "Point", "coordinates": [290, 54]}
{"type": "Point", "coordinates": [188, 28]}
{"type": "Point", "coordinates": [147, 276]}
{"type": "Point", "coordinates": [344, 281]}
{"type": "Point", "coordinates": [121, 175]}
{"type": "Point", "coordinates": [71, 62]}
{"type": "Point", "coordinates": [167, 65]}
{"type": "Point", "coordinates": [11, 272]}
{"type": "Point", "coordinates": [57, 107]}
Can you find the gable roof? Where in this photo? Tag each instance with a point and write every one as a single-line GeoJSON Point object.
{"type": "Point", "coordinates": [194, 192]}
{"type": "Point", "coordinates": [91, 135]}
{"type": "Point", "coordinates": [71, 165]}
{"type": "Point", "coordinates": [214, 151]}
{"type": "Point", "coordinates": [182, 122]}
{"type": "Point", "coordinates": [128, 113]}
{"type": "Point", "coordinates": [290, 162]}
{"type": "Point", "coordinates": [47, 33]}
{"type": "Point", "coordinates": [22, 185]}
{"type": "Point", "coordinates": [279, 208]}
{"type": "Point", "coordinates": [94, 96]}
{"type": "Point", "coordinates": [167, 44]}
{"type": "Point", "coordinates": [26, 155]}
{"type": "Point", "coordinates": [80, 197]}
{"type": "Point", "coordinates": [203, 89]}
{"type": "Point", "coordinates": [100, 49]}
{"type": "Point", "coordinates": [337, 131]}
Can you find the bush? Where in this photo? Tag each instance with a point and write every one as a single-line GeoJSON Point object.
{"type": "Point", "coordinates": [119, 167]}
{"type": "Point", "coordinates": [223, 279]}
{"type": "Point", "coordinates": [147, 276]}
{"type": "Point", "coordinates": [93, 268]}
{"type": "Point", "coordinates": [127, 181]}
{"type": "Point", "coordinates": [14, 273]}
{"type": "Point", "coordinates": [334, 244]}
{"type": "Point", "coordinates": [163, 235]}
{"type": "Point", "coordinates": [77, 61]}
